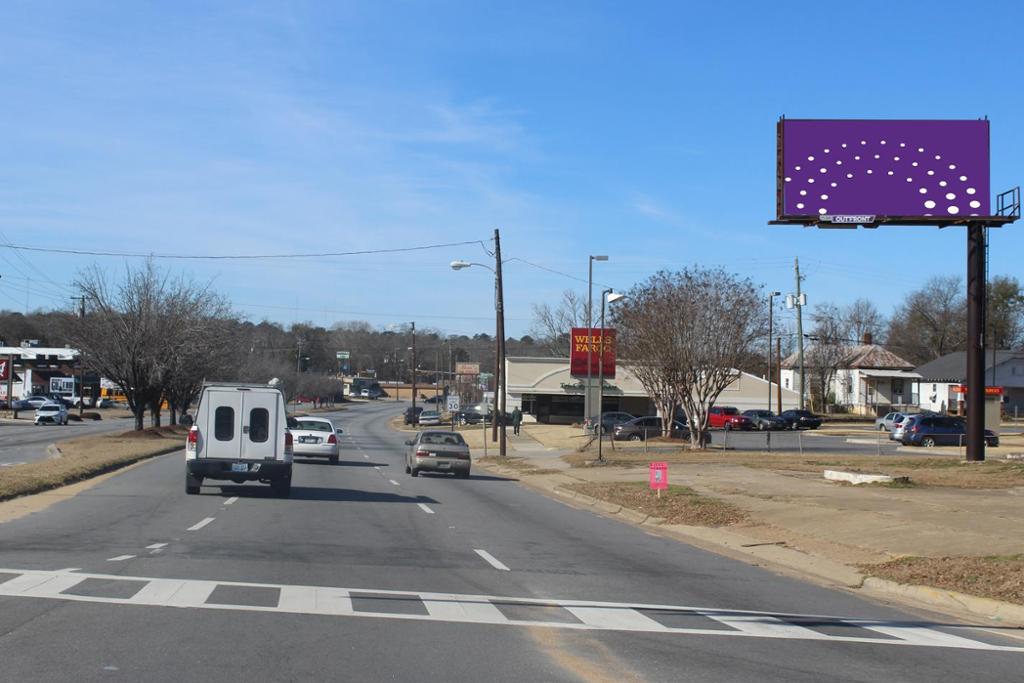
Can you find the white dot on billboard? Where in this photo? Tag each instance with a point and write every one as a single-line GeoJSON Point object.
{"type": "Point", "coordinates": [849, 175]}
{"type": "Point", "coordinates": [963, 179]}
{"type": "Point", "coordinates": [971, 190]}
{"type": "Point", "coordinates": [883, 142]}
{"type": "Point", "coordinates": [953, 209]}
{"type": "Point", "coordinates": [823, 169]}
{"type": "Point", "coordinates": [856, 158]}
{"type": "Point", "coordinates": [903, 144]}
{"type": "Point", "coordinates": [937, 157]}
{"type": "Point", "coordinates": [797, 168]}
{"type": "Point", "coordinates": [834, 184]}
{"type": "Point", "coordinates": [929, 204]}
{"type": "Point", "coordinates": [931, 172]}
{"type": "Point", "coordinates": [913, 163]}
{"type": "Point", "coordinates": [952, 167]}
{"type": "Point", "coordinates": [810, 158]}
{"type": "Point", "coordinates": [923, 190]}
{"type": "Point", "coordinates": [810, 180]}
{"type": "Point", "coordinates": [824, 197]}
{"type": "Point", "coordinates": [870, 171]}
{"type": "Point", "coordinates": [788, 179]}
{"type": "Point", "coordinates": [827, 150]}
{"type": "Point", "coordinates": [975, 204]}
{"type": "Point", "coordinates": [839, 162]}
{"type": "Point", "coordinates": [799, 206]}
{"type": "Point", "coordinates": [895, 158]}
{"type": "Point", "coordinates": [920, 149]}
{"type": "Point", "coordinates": [803, 193]}
{"type": "Point", "coordinates": [910, 180]}
{"type": "Point", "coordinates": [878, 156]}
{"type": "Point", "coordinates": [844, 145]}
{"type": "Point", "coordinates": [822, 211]}
{"type": "Point", "coordinates": [863, 142]}
{"type": "Point", "coordinates": [943, 183]}
{"type": "Point", "coordinates": [950, 196]}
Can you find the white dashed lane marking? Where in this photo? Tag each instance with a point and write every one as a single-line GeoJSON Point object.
{"type": "Point", "coordinates": [491, 560]}
{"type": "Point", "coordinates": [425, 508]}
{"type": "Point", "coordinates": [156, 546]}
{"type": "Point", "coordinates": [232, 500]}
{"type": "Point", "coordinates": [199, 525]}
{"type": "Point", "coordinates": [394, 482]}
{"type": "Point", "coordinates": [585, 615]}
{"type": "Point", "coordinates": [120, 558]}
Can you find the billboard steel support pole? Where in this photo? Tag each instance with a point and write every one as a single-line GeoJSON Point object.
{"type": "Point", "coordinates": [975, 342]}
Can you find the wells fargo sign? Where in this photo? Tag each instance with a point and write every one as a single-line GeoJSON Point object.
{"type": "Point", "coordinates": [584, 346]}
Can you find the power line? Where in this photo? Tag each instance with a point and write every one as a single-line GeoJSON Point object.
{"type": "Point", "coordinates": [237, 257]}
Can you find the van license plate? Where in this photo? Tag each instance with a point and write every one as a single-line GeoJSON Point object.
{"type": "Point", "coordinates": [239, 467]}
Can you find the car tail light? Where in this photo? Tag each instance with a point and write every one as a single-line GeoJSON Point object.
{"type": "Point", "coordinates": [332, 439]}
{"type": "Point", "coordinates": [193, 440]}
{"type": "Point", "coordinates": [289, 443]}
{"type": "Point", "coordinates": [422, 454]}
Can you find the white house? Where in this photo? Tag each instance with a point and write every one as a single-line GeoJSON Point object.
{"type": "Point", "coordinates": [871, 379]}
{"type": "Point", "coordinates": [545, 391]}
{"type": "Point", "coordinates": [941, 380]}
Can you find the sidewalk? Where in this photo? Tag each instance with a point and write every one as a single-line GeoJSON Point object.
{"type": "Point", "coordinates": [800, 522]}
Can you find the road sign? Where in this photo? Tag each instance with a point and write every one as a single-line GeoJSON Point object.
{"type": "Point", "coordinates": [342, 355]}
{"type": "Point", "coordinates": [453, 403]}
{"type": "Point", "coordinates": [467, 368]}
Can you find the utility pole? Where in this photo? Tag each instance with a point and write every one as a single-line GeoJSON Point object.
{"type": "Point", "coordinates": [414, 416]}
{"type": "Point", "coordinates": [778, 385]}
{"type": "Point", "coordinates": [499, 386]}
{"type": "Point", "coordinates": [81, 365]}
{"type": "Point", "coordinates": [800, 331]}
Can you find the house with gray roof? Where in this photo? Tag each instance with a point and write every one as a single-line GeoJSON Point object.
{"type": "Point", "coordinates": [941, 382]}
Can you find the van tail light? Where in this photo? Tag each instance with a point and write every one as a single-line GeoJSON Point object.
{"type": "Point", "coordinates": [422, 454]}
{"type": "Point", "coordinates": [289, 442]}
{"type": "Point", "coordinates": [332, 439]}
{"type": "Point", "coordinates": [193, 440]}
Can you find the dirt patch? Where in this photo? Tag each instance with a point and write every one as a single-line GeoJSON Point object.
{"type": "Point", "coordinates": [87, 457]}
{"type": "Point", "coordinates": [677, 504]}
{"type": "Point", "coordinates": [936, 470]}
{"type": "Point", "coordinates": [518, 464]}
{"type": "Point", "coordinates": [996, 577]}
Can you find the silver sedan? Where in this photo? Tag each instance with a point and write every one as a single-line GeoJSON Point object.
{"type": "Point", "coordinates": [437, 451]}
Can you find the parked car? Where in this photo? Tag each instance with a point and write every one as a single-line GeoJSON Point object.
{"type": "Point", "coordinates": [436, 451]}
{"type": "Point", "coordinates": [430, 418]}
{"type": "Point", "coordinates": [105, 403]}
{"type": "Point", "coordinates": [727, 417]}
{"type": "Point", "coordinates": [900, 426]}
{"type": "Point", "coordinates": [888, 421]}
{"type": "Point", "coordinates": [643, 428]}
{"type": "Point", "coordinates": [939, 430]}
{"type": "Point", "coordinates": [411, 415]}
{"type": "Point", "coordinates": [314, 437]}
{"type": "Point", "coordinates": [469, 417]}
{"type": "Point", "coordinates": [764, 419]}
{"type": "Point", "coordinates": [34, 402]}
{"type": "Point", "coordinates": [800, 419]}
{"type": "Point", "coordinates": [608, 421]}
{"type": "Point", "coordinates": [52, 413]}
{"type": "Point", "coordinates": [241, 434]}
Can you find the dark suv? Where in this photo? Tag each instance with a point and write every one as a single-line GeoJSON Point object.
{"type": "Point", "coordinates": [939, 430]}
{"type": "Point", "coordinates": [412, 415]}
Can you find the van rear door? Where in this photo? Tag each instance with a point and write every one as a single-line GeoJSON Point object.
{"type": "Point", "coordinates": [223, 428]}
{"type": "Point", "coordinates": [260, 424]}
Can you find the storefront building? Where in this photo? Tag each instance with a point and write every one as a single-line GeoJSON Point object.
{"type": "Point", "coordinates": [547, 393]}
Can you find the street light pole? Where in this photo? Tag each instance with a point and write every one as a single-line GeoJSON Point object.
{"type": "Point", "coordinates": [413, 330]}
{"type": "Point", "coordinates": [587, 408]}
{"type": "Point", "coordinates": [609, 296]}
{"type": "Point", "coordinates": [770, 311]}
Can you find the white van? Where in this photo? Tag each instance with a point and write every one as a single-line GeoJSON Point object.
{"type": "Point", "coordinates": [240, 433]}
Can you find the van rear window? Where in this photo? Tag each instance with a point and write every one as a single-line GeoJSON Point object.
{"type": "Point", "coordinates": [224, 423]}
{"type": "Point", "coordinates": [259, 425]}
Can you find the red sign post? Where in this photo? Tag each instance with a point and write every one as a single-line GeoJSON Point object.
{"type": "Point", "coordinates": [658, 476]}
{"type": "Point", "coordinates": [583, 346]}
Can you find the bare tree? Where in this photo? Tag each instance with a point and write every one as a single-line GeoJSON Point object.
{"type": "Point", "coordinates": [931, 322]}
{"type": "Point", "coordinates": [862, 318]}
{"type": "Point", "coordinates": [551, 324]}
{"type": "Point", "coordinates": [685, 333]}
{"type": "Point", "coordinates": [829, 350]}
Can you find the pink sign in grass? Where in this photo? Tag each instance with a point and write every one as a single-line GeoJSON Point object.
{"type": "Point", "coordinates": [659, 475]}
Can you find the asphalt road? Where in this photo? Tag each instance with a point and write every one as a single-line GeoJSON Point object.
{"type": "Point", "coordinates": [25, 442]}
{"type": "Point", "coordinates": [368, 574]}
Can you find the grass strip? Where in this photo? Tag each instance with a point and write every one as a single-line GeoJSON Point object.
{"type": "Point", "coordinates": [677, 504]}
{"type": "Point", "coordinates": [88, 457]}
{"type": "Point", "coordinates": [996, 577]}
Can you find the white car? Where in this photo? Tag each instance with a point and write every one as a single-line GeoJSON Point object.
{"type": "Point", "coordinates": [52, 413]}
{"type": "Point", "coordinates": [430, 418]}
{"type": "Point", "coordinates": [314, 437]}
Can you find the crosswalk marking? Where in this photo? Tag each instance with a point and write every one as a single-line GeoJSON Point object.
{"type": "Point", "coordinates": [484, 609]}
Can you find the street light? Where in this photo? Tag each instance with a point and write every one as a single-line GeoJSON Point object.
{"type": "Point", "coordinates": [590, 336]}
{"type": "Point", "coordinates": [611, 297]}
{"type": "Point", "coordinates": [771, 295]}
{"type": "Point", "coordinates": [499, 356]}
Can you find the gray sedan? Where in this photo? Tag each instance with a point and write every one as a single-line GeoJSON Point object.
{"type": "Point", "coordinates": [437, 451]}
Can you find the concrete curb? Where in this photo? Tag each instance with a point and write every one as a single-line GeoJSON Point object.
{"type": "Point", "coordinates": [790, 560]}
{"type": "Point", "coordinates": [996, 610]}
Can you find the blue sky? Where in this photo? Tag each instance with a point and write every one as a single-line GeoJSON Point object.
{"type": "Point", "coordinates": [640, 130]}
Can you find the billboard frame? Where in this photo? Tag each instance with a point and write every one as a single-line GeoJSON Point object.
{"type": "Point", "coordinates": [1008, 210]}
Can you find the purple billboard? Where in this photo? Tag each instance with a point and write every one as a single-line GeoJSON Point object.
{"type": "Point", "coordinates": [852, 170]}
